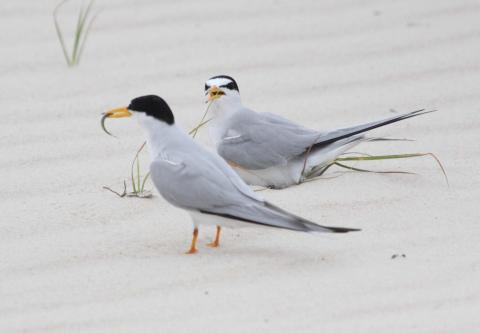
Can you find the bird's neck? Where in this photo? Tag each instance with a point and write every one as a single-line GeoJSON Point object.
{"type": "Point", "coordinates": [223, 110]}
{"type": "Point", "coordinates": [224, 107]}
{"type": "Point", "coordinates": [162, 137]}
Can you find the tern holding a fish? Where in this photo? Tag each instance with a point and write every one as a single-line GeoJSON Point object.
{"type": "Point", "coordinates": [192, 178]}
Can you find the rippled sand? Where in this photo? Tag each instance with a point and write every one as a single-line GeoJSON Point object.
{"type": "Point", "coordinates": [75, 258]}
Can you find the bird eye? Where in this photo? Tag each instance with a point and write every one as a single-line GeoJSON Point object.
{"type": "Point", "coordinates": [231, 86]}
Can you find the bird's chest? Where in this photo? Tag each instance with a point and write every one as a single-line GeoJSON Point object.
{"type": "Point", "coordinates": [216, 132]}
{"type": "Point", "coordinates": [222, 126]}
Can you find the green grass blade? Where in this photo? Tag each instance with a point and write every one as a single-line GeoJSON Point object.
{"type": "Point", "coordinates": [371, 171]}
{"type": "Point", "coordinates": [321, 178]}
{"type": "Point", "coordinates": [397, 156]}
{"type": "Point", "coordinates": [87, 30]}
{"type": "Point", "coordinates": [322, 169]}
{"type": "Point", "coordinates": [201, 123]}
{"type": "Point", "coordinates": [196, 128]}
{"type": "Point", "coordinates": [59, 33]}
{"type": "Point", "coordinates": [132, 172]}
{"type": "Point", "coordinates": [83, 30]}
{"type": "Point", "coordinates": [354, 153]}
{"type": "Point", "coordinates": [138, 173]}
{"type": "Point", "coordinates": [87, 12]}
{"type": "Point", "coordinates": [144, 181]}
{"type": "Point", "coordinates": [78, 33]}
{"type": "Point", "coordinates": [134, 189]}
{"type": "Point", "coordinates": [379, 157]}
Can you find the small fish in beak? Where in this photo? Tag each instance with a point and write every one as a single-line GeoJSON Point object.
{"type": "Point", "coordinates": [115, 113]}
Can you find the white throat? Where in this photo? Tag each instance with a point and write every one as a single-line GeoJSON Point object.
{"type": "Point", "coordinates": [226, 105]}
{"type": "Point", "coordinates": [222, 110]}
{"type": "Point", "coordinates": [160, 135]}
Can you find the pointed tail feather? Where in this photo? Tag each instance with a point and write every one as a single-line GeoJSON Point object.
{"type": "Point", "coordinates": [343, 133]}
{"type": "Point", "coordinates": [307, 225]}
{"type": "Point", "coordinates": [265, 214]}
{"type": "Point", "coordinates": [334, 229]}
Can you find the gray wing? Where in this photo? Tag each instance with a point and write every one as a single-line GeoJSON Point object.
{"type": "Point", "coordinates": [199, 183]}
{"type": "Point", "coordinates": [261, 140]}
{"type": "Point", "coordinates": [195, 183]}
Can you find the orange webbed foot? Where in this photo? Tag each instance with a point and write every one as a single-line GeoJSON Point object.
{"type": "Point", "coordinates": [193, 248]}
{"type": "Point", "coordinates": [213, 244]}
{"type": "Point", "coordinates": [191, 251]}
{"type": "Point", "coordinates": [216, 242]}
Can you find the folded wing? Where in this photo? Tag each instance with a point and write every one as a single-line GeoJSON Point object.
{"type": "Point", "coordinates": [200, 183]}
{"type": "Point", "coordinates": [264, 140]}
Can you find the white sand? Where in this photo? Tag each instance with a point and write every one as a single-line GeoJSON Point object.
{"type": "Point", "coordinates": [74, 258]}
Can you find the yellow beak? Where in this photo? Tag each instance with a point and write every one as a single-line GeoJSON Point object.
{"type": "Point", "coordinates": [118, 113]}
{"type": "Point", "coordinates": [214, 93]}
{"type": "Point", "coordinates": [115, 113]}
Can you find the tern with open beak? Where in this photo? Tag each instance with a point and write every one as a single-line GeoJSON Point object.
{"type": "Point", "coordinates": [201, 182]}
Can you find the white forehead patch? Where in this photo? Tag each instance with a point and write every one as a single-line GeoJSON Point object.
{"type": "Point", "coordinates": [218, 82]}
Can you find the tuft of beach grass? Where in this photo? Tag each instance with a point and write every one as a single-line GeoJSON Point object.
{"type": "Point", "coordinates": [137, 180]}
{"type": "Point", "coordinates": [84, 24]}
{"type": "Point", "coordinates": [340, 162]}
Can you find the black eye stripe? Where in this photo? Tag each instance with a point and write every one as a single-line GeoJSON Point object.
{"type": "Point", "coordinates": [230, 86]}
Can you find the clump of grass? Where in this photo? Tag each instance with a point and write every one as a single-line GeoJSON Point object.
{"type": "Point", "coordinates": [339, 161]}
{"type": "Point", "coordinates": [138, 181]}
{"type": "Point", "coordinates": [84, 24]}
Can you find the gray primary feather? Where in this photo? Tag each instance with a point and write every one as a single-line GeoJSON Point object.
{"type": "Point", "coordinates": [263, 140]}
{"type": "Point", "coordinates": [192, 178]}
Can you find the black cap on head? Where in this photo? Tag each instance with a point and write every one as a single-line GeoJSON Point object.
{"type": "Point", "coordinates": [231, 85]}
{"type": "Point", "coordinates": [153, 106]}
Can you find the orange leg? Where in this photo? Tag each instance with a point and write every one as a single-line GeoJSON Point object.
{"type": "Point", "coordinates": [193, 247]}
{"type": "Point", "coordinates": [216, 242]}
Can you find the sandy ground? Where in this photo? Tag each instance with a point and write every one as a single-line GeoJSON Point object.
{"type": "Point", "coordinates": [75, 258]}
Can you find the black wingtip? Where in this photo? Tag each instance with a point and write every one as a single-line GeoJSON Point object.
{"type": "Point", "coordinates": [372, 126]}
{"type": "Point", "coordinates": [342, 230]}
